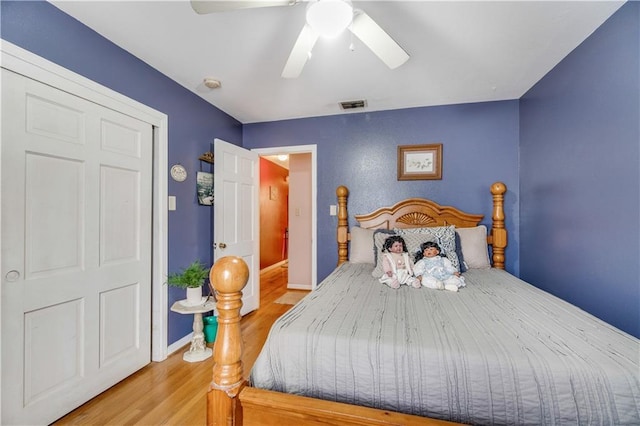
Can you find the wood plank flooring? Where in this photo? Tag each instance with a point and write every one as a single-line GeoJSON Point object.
{"type": "Point", "coordinates": [173, 392]}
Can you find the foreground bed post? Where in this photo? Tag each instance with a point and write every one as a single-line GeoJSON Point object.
{"type": "Point", "coordinates": [343, 224]}
{"type": "Point", "coordinates": [498, 231]}
{"type": "Point", "coordinates": [228, 277]}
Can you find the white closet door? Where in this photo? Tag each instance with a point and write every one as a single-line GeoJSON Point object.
{"type": "Point", "coordinates": [76, 249]}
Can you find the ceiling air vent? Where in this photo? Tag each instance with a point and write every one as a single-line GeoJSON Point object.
{"type": "Point", "coordinates": [353, 104]}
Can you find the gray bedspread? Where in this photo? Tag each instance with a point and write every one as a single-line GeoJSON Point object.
{"type": "Point", "coordinates": [500, 351]}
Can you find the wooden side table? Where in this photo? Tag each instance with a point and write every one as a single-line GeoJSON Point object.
{"type": "Point", "coordinates": [198, 350]}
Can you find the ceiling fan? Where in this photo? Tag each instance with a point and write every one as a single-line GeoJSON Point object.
{"type": "Point", "coordinates": [323, 18]}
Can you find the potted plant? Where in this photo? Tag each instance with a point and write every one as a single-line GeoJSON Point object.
{"type": "Point", "coordinates": [191, 278]}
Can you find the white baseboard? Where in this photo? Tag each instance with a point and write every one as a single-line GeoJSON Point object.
{"type": "Point", "coordinates": [298, 286]}
{"type": "Point", "coordinates": [274, 266]}
{"type": "Point", "coordinates": [179, 344]}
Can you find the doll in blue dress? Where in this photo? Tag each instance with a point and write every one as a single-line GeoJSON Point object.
{"type": "Point", "coordinates": [434, 270]}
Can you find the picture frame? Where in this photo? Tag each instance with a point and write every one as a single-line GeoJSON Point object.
{"type": "Point", "coordinates": [420, 162]}
{"type": "Point", "coordinates": [204, 188]}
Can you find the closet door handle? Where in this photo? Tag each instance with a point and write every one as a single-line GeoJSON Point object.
{"type": "Point", "coordinates": [222, 245]}
{"type": "Point", "coordinates": [12, 276]}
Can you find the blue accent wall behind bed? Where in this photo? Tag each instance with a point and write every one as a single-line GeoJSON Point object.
{"type": "Point", "coordinates": [480, 146]}
{"type": "Point", "coordinates": [580, 175]}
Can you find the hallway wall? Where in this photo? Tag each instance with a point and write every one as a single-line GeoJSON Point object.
{"type": "Point", "coordinates": [274, 193]}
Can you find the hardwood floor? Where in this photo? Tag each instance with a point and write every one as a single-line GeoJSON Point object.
{"type": "Point", "coordinates": [173, 392]}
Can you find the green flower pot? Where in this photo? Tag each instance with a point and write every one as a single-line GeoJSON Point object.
{"type": "Point", "coordinates": [210, 328]}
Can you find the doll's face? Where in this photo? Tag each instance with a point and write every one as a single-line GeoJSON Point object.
{"type": "Point", "coordinates": [430, 252]}
{"type": "Point", "coordinates": [396, 247]}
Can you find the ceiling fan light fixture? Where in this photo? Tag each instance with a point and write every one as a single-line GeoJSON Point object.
{"type": "Point", "coordinates": [329, 17]}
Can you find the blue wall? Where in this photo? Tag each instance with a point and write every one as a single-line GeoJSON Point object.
{"type": "Point", "coordinates": [193, 123]}
{"type": "Point", "coordinates": [580, 175]}
{"type": "Point", "coordinates": [480, 146]}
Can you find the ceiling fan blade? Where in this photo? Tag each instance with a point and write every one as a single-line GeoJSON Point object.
{"type": "Point", "coordinates": [376, 39]}
{"type": "Point", "coordinates": [300, 52]}
{"type": "Point", "coordinates": [213, 6]}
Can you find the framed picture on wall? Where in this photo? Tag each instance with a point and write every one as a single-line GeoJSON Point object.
{"type": "Point", "coordinates": [420, 162]}
{"type": "Point", "coordinates": [204, 188]}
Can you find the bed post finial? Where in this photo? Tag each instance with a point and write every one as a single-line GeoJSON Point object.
{"type": "Point", "coordinates": [342, 236]}
{"type": "Point", "coordinates": [228, 277]}
{"type": "Point", "coordinates": [498, 231]}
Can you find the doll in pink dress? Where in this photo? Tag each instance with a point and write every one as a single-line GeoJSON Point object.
{"type": "Point", "coordinates": [396, 264]}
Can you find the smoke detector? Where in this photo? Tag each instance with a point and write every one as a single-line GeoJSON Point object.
{"type": "Point", "coordinates": [212, 83]}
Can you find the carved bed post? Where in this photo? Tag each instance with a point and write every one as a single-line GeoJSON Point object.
{"type": "Point", "coordinates": [498, 231]}
{"type": "Point", "coordinates": [228, 277]}
{"type": "Point", "coordinates": [343, 224]}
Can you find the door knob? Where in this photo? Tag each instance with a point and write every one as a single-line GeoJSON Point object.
{"type": "Point", "coordinates": [12, 276]}
{"type": "Point", "coordinates": [222, 245]}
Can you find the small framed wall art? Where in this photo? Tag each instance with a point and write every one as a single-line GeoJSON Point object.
{"type": "Point", "coordinates": [420, 162]}
{"type": "Point", "coordinates": [204, 188]}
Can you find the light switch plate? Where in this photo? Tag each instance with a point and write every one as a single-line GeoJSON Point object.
{"type": "Point", "coordinates": [172, 202]}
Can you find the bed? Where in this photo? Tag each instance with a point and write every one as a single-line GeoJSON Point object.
{"type": "Point", "coordinates": [354, 351]}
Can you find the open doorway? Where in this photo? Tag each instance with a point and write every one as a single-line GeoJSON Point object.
{"type": "Point", "coordinates": [274, 211]}
{"type": "Point", "coordinates": [288, 213]}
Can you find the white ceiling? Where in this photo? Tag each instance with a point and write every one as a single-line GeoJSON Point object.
{"type": "Point", "coordinates": [460, 52]}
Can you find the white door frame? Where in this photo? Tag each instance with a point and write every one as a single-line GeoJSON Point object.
{"type": "Point", "coordinates": [37, 68]}
{"type": "Point", "coordinates": [304, 149]}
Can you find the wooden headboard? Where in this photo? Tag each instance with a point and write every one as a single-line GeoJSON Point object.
{"type": "Point", "coordinates": [419, 213]}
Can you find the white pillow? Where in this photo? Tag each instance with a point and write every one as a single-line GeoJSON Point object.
{"type": "Point", "coordinates": [361, 246]}
{"type": "Point", "coordinates": [475, 250]}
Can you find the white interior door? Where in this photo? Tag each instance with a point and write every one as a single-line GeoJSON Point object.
{"type": "Point", "coordinates": [236, 222]}
{"type": "Point", "coordinates": [76, 257]}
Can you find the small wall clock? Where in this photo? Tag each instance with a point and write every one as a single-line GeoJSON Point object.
{"type": "Point", "coordinates": [178, 173]}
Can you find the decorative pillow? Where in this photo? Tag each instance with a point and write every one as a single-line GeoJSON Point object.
{"type": "Point", "coordinates": [444, 236]}
{"type": "Point", "coordinates": [463, 266]}
{"type": "Point", "coordinates": [361, 246]}
{"type": "Point", "coordinates": [379, 236]}
{"type": "Point", "coordinates": [474, 247]}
